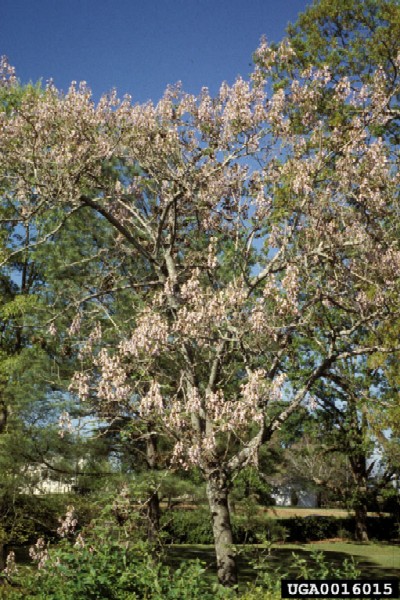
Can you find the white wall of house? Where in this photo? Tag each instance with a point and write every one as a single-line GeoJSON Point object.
{"type": "Point", "coordinates": [50, 486]}
{"type": "Point", "coordinates": [284, 496]}
{"type": "Point", "coordinates": [38, 482]}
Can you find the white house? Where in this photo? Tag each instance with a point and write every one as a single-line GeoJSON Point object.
{"type": "Point", "coordinates": [294, 495]}
{"type": "Point", "coordinates": [40, 480]}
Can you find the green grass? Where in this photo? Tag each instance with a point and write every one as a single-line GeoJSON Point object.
{"type": "Point", "coordinates": [386, 556]}
{"type": "Point", "coordinates": [285, 512]}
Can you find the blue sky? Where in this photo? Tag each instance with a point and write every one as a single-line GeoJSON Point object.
{"type": "Point", "coordinates": [139, 46]}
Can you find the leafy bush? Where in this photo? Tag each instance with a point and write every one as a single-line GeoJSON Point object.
{"type": "Point", "coordinates": [383, 528]}
{"type": "Point", "coordinates": [101, 562]}
{"type": "Point", "coordinates": [187, 526]}
{"type": "Point", "coordinates": [267, 585]}
{"type": "Point", "coordinates": [116, 571]}
{"type": "Point", "coordinates": [27, 517]}
{"type": "Point", "coordinates": [194, 527]}
{"type": "Point", "coordinates": [319, 568]}
{"type": "Point", "coordinates": [313, 528]}
{"type": "Point", "coordinates": [304, 529]}
{"type": "Point", "coordinates": [250, 486]}
{"type": "Point", "coordinates": [257, 530]}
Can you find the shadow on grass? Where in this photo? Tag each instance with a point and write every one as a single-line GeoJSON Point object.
{"type": "Point", "coordinates": [280, 560]}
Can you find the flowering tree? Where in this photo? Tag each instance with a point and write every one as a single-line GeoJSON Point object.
{"type": "Point", "coordinates": [267, 240]}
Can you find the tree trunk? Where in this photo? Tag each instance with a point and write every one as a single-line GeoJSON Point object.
{"type": "Point", "coordinates": [3, 416]}
{"type": "Point", "coordinates": [153, 516]}
{"type": "Point", "coordinates": [359, 469]}
{"type": "Point", "coordinates": [153, 502]}
{"type": "Point", "coordinates": [360, 516]}
{"type": "Point", "coordinates": [3, 423]}
{"type": "Point", "coordinates": [3, 556]}
{"type": "Point", "coordinates": [358, 465]}
{"type": "Point", "coordinates": [217, 494]}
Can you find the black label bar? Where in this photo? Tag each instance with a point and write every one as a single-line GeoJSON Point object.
{"type": "Point", "coordinates": [340, 588]}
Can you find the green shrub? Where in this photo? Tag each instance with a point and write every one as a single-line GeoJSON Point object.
{"type": "Point", "coordinates": [115, 574]}
{"type": "Point", "coordinates": [268, 584]}
{"type": "Point", "coordinates": [100, 565]}
{"type": "Point", "coordinates": [187, 526]}
{"type": "Point", "coordinates": [383, 528]}
{"type": "Point", "coordinates": [304, 529]}
{"type": "Point", "coordinates": [257, 529]}
{"type": "Point", "coordinates": [319, 568]}
{"type": "Point", "coordinates": [194, 527]}
{"type": "Point", "coordinates": [314, 528]}
{"type": "Point", "coordinates": [28, 517]}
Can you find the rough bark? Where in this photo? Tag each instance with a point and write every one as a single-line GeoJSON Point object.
{"type": "Point", "coordinates": [360, 515]}
{"type": "Point", "coordinates": [358, 464]}
{"type": "Point", "coordinates": [153, 501]}
{"type": "Point", "coordinates": [360, 472]}
{"type": "Point", "coordinates": [3, 556]}
{"type": "Point", "coordinates": [3, 423]}
{"type": "Point", "coordinates": [3, 416]}
{"type": "Point", "coordinates": [153, 517]}
{"type": "Point", "coordinates": [217, 494]}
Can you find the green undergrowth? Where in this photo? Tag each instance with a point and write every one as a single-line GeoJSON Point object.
{"type": "Point", "coordinates": [252, 527]}
{"type": "Point", "coordinates": [373, 560]}
{"type": "Point", "coordinates": [121, 571]}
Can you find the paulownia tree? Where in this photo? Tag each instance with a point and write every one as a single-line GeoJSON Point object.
{"type": "Point", "coordinates": [266, 250]}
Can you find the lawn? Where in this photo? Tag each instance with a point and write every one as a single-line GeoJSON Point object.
{"type": "Point", "coordinates": [285, 512]}
{"type": "Point", "coordinates": [386, 556]}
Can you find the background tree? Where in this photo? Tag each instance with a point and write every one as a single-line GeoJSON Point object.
{"type": "Point", "coordinates": [318, 467]}
{"type": "Point", "coordinates": [34, 369]}
{"type": "Point", "coordinates": [348, 398]}
{"type": "Point", "coordinates": [354, 39]}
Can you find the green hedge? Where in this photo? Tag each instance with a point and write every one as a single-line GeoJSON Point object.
{"type": "Point", "coordinates": [194, 527]}
{"type": "Point", "coordinates": [314, 528]}
{"type": "Point", "coordinates": [187, 526]}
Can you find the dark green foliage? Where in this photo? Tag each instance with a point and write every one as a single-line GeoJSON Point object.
{"type": "Point", "coordinates": [308, 529]}
{"type": "Point", "coordinates": [251, 486]}
{"type": "Point", "coordinates": [351, 36]}
{"type": "Point", "coordinates": [383, 528]}
{"type": "Point", "coordinates": [114, 571]}
{"type": "Point", "coordinates": [194, 527]}
{"type": "Point", "coordinates": [304, 529]}
{"type": "Point", "coordinates": [103, 562]}
{"type": "Point", "coordinates": [391, 503]}
{"type": "Point", "coordinates": [187, 527]}
{"type": "Point", "coordinates": [25, 517]}
{"type": "Point", "coordinates": [354, 38]}
{"type": "Point", "coordinates": [257, 530]}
